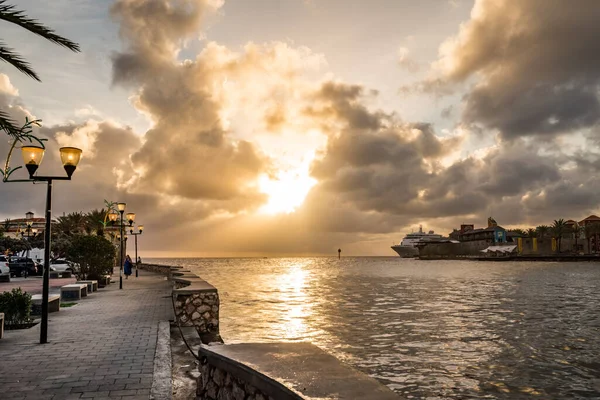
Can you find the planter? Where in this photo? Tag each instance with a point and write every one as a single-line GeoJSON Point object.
{"type": "Point", "coordinates": [26, 325]}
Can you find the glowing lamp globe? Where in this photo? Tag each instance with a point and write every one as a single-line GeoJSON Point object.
{"type": "Point", "coordinates": [32, 157]}
{"type": "Point", "coordinates": [70, 157]}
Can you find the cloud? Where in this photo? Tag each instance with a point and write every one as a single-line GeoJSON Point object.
{"type": "Point", "coordinates": [535, 66]}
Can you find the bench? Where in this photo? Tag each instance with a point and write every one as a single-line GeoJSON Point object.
{"type": "Point", "coordinates": [104, 281]}
{"type": "Point", "coordinates": [74, 291]}
{"type": "Point", "coordinates": [1, 325]}
{"type": "Point", "coordinates": [53, 303]}
{"type": "Point", "coordinates": [91, 285]}
{"type": "Point", "coordinates": [60, 274]}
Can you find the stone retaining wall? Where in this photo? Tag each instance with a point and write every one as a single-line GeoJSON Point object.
{"type": "Point", "coordinates": [200, 310]}
{"type": "Point", "coordinates": [196, 301]}
{"type": "Point", "coordinates": [159, 269]}
{"type": "Point", "coordinates": [216, 384]}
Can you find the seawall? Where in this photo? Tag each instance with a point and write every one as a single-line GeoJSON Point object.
{"type": "Point", "coordinates": [258, 371]}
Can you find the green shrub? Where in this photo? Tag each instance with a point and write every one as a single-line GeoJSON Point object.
{"type": "Point", "coordinates": [16, 306]}
{"type": "Point", "coordinates": [94, 254]}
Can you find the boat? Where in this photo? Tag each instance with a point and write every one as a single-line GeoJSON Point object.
{"type": "Point", "coordinates": [407, 248]}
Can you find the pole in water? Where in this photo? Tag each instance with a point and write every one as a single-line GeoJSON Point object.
{"type": "Point", "coordinates": [339, 253]}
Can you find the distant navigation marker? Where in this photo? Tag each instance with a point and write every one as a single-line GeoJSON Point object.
{"type": "Point", "coordinates": [339, 253]}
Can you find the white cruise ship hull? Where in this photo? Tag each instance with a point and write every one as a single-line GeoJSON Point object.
{"type": "Point", "coordinates": [406, 251]}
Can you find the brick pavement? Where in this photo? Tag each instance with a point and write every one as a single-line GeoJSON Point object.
{"type": "Point", "coordinates": [101, 348]}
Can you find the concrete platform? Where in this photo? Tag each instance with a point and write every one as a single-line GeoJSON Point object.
{"type": "Point", "coordinates": [91, 284]}
{"type": "Point", "coordinates": [301, 367]}
{"type": "Point", "coordinates": [53, 303]}
{"type": "Point", "coordinates": [74, 291]}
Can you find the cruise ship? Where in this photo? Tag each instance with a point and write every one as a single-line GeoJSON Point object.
{"type": "Point", "coordinates": [408, 246]}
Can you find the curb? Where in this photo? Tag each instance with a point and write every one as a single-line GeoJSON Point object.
{"type": "Point", "coordinates": [162, 384]}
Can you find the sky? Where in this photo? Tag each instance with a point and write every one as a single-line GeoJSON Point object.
{"type": "Point", "coordinates": [297, 127]}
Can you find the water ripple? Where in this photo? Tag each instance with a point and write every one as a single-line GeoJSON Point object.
{"type": "Point", "coordinates": [434, 330]}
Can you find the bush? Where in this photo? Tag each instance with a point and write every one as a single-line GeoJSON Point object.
{"type": "Point", "coordinates": [16, 306]}
{"type": "Point", "coordinates": [94, 254]}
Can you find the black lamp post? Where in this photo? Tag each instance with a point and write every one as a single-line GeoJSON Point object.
{"type": "Point", "coordinates": [121, 208]}
{"type": "Point", "coordinates": [28, 230]}
{"type": "Point", "coordinates": [135, 234]}
{"type": "Point", "coordinates": [32, 156]}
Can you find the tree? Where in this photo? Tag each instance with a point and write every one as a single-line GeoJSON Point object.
{"type": "Point", "coordinates": [576, 231]}
{"type": "Point", "coordinates": [542, 231]}
{"type": "Point", "coordinates": [558, 229]}
{"type": "Point", "coordinates": [95, 221]}
{"type": "Point", "coordinates": [17, 17]}
{"type": "Point", "coordinates": [94, 254]}
{"type": "Point", "coordinates": [518, 231]}
{"type": "Point", "coordinates": [531, 233]}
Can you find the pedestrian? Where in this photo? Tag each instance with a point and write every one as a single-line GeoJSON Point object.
{"type": "Point", "coordinates": [139, 260]}
{"type": "Point", "coordinates": [128, 265]}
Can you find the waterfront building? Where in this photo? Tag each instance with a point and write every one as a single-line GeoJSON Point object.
{"type": "Point", "coordinates": [13, 227]}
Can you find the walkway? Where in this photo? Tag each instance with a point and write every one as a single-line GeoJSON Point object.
{"type": "Point", "coordinates": [101, 348]}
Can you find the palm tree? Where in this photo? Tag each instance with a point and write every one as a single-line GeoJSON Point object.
{"type": "Point", "coordinates": [95, 221]}
{"type": "Point", "coordinates": [542, 231]}
{"type": "Point", "coordinates": [531, 233]}
{"type": "Point", "coordinates": [518, 231]}
{"type": "Point", "coordinates": [576, 231]}
{"type": "Point", "coordinates": [18, 17]}
{"type": "Point", "coordinates": [558, 229]}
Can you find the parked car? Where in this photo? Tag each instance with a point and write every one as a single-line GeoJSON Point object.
{"type": "Point", "coordinates": [4, 269]}
{"type": "Point", "coordinates": [23, 266]}
{"type": "Point", "coordinates": [61, 265]}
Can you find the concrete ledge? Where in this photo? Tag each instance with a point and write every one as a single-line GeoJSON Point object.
{"type": "Point", "coordinates": [293, 371]}
{"type": "Point", "coordinates": [162, 388]}
{"type": "Point", "coordinates": [53, 303]}
{"type": "Point", "coordinates": [1, 325]}
{"type": "Point", "coordinates": [91, 285]}
{"type": "Point", "coordinates": [74, 291]}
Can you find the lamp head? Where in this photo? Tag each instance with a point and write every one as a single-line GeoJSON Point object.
{"type": "Point", "coordinates": [121, 207]}
{"type": "Point", "coordinates": [35, 231]}
{"type": "Point", "coordinates": [130, 218]}
{"type": "Point", "coordinates": [70, 157]}
{"type": "Point", "coordinates": [32, 157]}
{"type": "Point", "coordinates": [112, 217]}
{"type": "Point", "coordinates": [29, 224]}
{"type": "Point", "coordinates": [141, 228]}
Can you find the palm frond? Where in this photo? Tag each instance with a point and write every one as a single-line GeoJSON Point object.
{"type": "Point", "coordinates": [9, 56]}
{"type": "Point", "coordinates": [8, 13]}
{"type": "Point", "coordinates": [7, 124]}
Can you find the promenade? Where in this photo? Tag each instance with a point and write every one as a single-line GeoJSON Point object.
{"type": "Point", "coordinates": [102, 348]}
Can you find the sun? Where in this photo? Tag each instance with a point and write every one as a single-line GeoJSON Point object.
{"type": "Point", "coordinates": [286, 191]}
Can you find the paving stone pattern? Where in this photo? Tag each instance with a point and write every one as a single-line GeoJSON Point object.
{"type": "Point", "coordinates": [101, 348]}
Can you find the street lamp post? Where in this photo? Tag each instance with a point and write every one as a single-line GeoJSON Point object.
{"type": "Point", "coordinates": [32, 156]}
{"type": "Point", "coordinates": [121, 208]}
{"type": "Point", "coordinates": [135, 234]}
{"type": "Point", "coordinates": [28, 230]}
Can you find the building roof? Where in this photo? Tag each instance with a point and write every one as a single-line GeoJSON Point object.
{"type": "Point", "coordinates": [591, 218]}
{"type": "Point", "coordinates": [482, 230]}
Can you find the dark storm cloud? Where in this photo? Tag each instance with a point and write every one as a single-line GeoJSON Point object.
{"type": "Point", "coordinates": [536, 65]}
{"type": "Point", "coordinates": [393, 171]}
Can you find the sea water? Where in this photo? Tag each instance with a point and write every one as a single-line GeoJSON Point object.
{"type": "Point", "coordinates": [427, 329]}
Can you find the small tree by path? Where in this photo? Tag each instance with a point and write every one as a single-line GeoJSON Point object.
{"type": "Point", "coordinates": [94, 254]}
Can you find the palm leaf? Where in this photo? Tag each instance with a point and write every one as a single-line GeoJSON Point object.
{"type": "Point", "coordinates": [8, 13]}
{"type": "Point", "coordinates": [9, 56]}
{"type": "Point", "coordinates": [7, 124]}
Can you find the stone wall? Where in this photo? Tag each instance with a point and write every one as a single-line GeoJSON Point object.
{"type": "Point", "coordinates": [200, 310]}
{"type": "Point", "coordinates": [216, 384]}
{"type": "Point", "coordinates": [159, 269]}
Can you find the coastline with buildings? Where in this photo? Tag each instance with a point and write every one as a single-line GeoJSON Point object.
{"type": "Point", "coordinates": [565, 240]}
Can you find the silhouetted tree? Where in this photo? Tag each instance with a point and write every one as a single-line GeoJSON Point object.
{"type": "Point", "coordinates": [558, 229]}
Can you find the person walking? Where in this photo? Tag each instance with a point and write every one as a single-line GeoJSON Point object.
{"type": "Point", "coordinates": [127, 266]}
